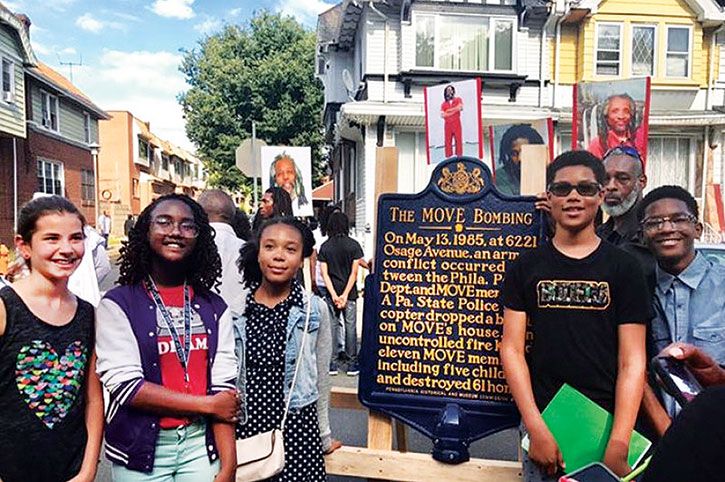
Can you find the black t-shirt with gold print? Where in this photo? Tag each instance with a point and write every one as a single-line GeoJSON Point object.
{"type": "Point", "coordinates": [575, 307]}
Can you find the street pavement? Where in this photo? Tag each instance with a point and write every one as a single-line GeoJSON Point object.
{"type": "Point", "coordinates": [350, 426]}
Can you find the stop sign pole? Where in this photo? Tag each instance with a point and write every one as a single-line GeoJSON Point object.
{"type": "Point", "coordinates": [248, 158]}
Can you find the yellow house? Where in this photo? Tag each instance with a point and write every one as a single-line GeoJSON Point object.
{"type": "Point", "coordinates": [678, 43]}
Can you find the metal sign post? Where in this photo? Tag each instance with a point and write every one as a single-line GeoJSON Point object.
{"type": "Point", "coordinates": [248, 158]}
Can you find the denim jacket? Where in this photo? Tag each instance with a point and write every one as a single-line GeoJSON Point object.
{"type": "Point", "coordinates": [305, 391]}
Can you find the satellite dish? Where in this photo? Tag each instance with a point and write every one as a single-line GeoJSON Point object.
{"type": "Point", "coordinates": [347, 81]}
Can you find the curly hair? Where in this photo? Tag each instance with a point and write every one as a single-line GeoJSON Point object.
{"type": "Point", "coordinates": [248, 262]}
{"type": "Point", "coordinates": [516, 131]}
{"type": "Point", "coordinates": [668, 192]}
{"type": "Point", "coordinates": [204, 264]}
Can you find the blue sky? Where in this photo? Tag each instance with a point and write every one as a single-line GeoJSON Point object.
{"type": "Point", "coordinates": [130, 48]}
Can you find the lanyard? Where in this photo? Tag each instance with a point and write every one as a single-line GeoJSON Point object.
{"type": "Point", "coordinates": [182, 353]}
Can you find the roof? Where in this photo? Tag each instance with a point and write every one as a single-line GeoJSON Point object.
{"type": "Point", "coordinates": [9, 18]}
{"type": "Point", "coordinates": [328, 25]}
{"type": "Point", "coordinates": [45, 74]}
{"type": "Point", "coordinates": [324, 192]}
{"type": "Point", "coordinates": [709, 12]}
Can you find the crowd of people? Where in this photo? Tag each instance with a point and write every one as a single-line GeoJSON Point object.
{"type": "Point", "coordinates": [212, 334]}
{"type": "Point", "coordinates": [603, 299]}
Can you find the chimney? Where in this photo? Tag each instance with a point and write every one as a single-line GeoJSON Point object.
{"type": "Point", "coordinates": [25, 20]}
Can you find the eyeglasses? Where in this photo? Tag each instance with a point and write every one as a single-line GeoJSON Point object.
{"type": "Point", "coordinates": [623, 150]}
{"type": "Point", "coordinates": [562, 189]}
{"type": "Point", "coordinates": [677, 222]}
{"type": "Point", "coordinates": [165, 225]}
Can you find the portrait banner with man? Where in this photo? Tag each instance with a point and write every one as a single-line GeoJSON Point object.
{"type": "Point", "coordinates": [611, 114]}
{"type": "Point", "coordinates": [453, 120]}
{"type": "Point", "coordinates": [505, 145]}
{"type": "Point", "coordinates": [291, 169]}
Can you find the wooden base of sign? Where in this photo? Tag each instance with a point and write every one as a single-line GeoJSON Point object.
{"type": "Point", "coordinates": [378, 461]}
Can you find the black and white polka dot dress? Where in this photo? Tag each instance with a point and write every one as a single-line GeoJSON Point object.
{"type": "Point", "coordinates": [266, 335]}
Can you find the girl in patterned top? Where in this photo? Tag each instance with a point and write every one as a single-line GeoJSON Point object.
{"type": "Point", "coordinates": [268, 322]}
{"type": "Point", "coordinates": [51, 405]}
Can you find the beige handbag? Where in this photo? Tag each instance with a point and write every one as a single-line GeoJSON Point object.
{"type": "Point", "coordinates": [262, 456]}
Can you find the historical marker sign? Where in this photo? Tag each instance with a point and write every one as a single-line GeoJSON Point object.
{"type": "Point", "coordinates": [432, 315]}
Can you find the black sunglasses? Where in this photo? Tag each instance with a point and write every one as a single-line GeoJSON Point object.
{"type": "Point", "coordinates": [587, 189]}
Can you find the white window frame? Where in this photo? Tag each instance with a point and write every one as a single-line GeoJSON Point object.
{"type": "Point", "coordinates": [491, 40]}
{"type": "Point", "coordinates": [689, 51]}
{"type": "Point", "coordinates": [8, 96]}
{"type": "Point", "coordinates": [46, 100]}
{"type": "Point", "coordinates": [41, 173]}
{"type": "Point", "coordinates": [620, 26]}
{"type": "Point", "coordinates": [655, 51]}
{"type": "Point", "coordinates": [691, 160]}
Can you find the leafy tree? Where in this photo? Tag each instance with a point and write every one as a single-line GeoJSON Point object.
{"type": "Point", "coordinates": [263, 71]}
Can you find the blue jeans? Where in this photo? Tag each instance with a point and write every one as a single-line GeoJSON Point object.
{"type": "Point", "coordinates": [342, 321]}
{"type": "Point", "coordinates": [180, 457]}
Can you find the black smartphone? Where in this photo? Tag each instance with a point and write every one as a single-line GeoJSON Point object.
{"type": "Point", "coordinates": [594, 472]}
{"type": "Point", "coordinates": [676, 378]}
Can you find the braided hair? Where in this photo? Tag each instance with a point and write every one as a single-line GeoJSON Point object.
{"type": "Point", "coordinates": [299, 187]}
{"type": "Point", "coordinates": [204, 264]}
{"type": "Point", "coordinates": [248, 262]}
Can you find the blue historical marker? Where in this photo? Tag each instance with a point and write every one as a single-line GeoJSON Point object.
{"type": "Point", "coordinates": [432, 316]}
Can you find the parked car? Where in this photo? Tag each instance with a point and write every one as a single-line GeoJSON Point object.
{"type": "Point", "coordinates": [715, 252]}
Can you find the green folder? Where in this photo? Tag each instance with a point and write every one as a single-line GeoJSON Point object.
{"type": "Point", "coordinates": [581, 429]}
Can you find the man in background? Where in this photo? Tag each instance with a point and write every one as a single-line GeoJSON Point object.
{"type": "Point", "coordinates": [103, 227]}
{"type": "Point", "coordinates": [221, 211]}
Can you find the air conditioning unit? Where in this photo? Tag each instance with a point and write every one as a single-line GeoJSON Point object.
{"type": "Point", "coordinates": [8, 96]}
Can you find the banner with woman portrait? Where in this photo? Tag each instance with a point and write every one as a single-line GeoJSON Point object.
{"type": "Point", "coordinates": [611, 114]}
{"type": "Point", "coordinates": [505, 141]}
{"type": "Point", "coordinates": [291, 169]}
{"type": "Point", "coordinates": [453, 120]}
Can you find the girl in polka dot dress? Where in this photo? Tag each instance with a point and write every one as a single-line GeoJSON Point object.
{"type": "Point", "coordinates": [268, 324]}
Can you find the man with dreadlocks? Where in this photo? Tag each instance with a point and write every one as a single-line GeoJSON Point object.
{"type": "Point", "coordinates": [165, 349]}
{"type": "Point", "coordinates": [617, 126]}
{"type": "Point", "coordinates": [284, 173]}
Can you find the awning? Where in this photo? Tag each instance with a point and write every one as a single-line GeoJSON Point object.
{"type": "Point", "coordinates": [324, 192]}
{"type": "Point", "coordinates": [413, 114]}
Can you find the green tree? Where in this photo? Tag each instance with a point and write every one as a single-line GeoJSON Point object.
{"type": "Point", "coordinates": [262, 72]}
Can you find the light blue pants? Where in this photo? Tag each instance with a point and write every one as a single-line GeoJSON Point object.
{"type": "Point", "coordinates": [180, 457]}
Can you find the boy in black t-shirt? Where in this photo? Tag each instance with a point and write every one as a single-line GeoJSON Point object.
{"type": "Point", "coordinates": [586, 302]}
{"type": "Point", "coordinates": [339, 258]}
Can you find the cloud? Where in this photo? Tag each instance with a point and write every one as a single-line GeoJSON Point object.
{"type": "Point", "coordinates": [91, 24]}
{"type": "Point", "coordinates": [235, 12]}
{"type": "Point", "coordinates": [305, 11]}
{"type": "Point", "coordinates": [88, 23]}
{"type": "Point", "coordinates": [67, 51]}
{"type": "Point", "coordinates": [208, 26]}
{"type": "Point", "coordinates": [142, 82]}
{"type": "Point", "coordinates": [181, 9]}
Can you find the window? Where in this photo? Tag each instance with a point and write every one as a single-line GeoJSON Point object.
{"type": "Point", "coordinates": [164, 162]}
{"type": "Point", "coordinates": [88, 186]}
{"type": "Point", "coordinates": [678, 52]}
{"type": "Point", "coordinates": [464, 42]}
{"type": "Point", "coordinates": [608, 47]}
{"type": "Point", "coordinates": [134, 188]}
{"type": "Point", "coordinates": [669, 161]}
{"type": "Point", "coordinates": [87, 127]}
{"type": "Point", "coordinates": [49, 106]}
{"type": "Point", "coordinates": [643, 50]}
{"type": "Point", "coordinates": [50, 177]}
{"type": "Point", "coordinates": [8, 72]}
{"type": "Point", "coordinates": [143, 150]}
